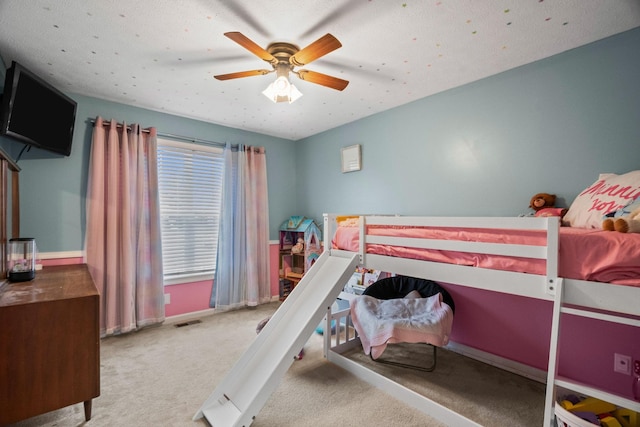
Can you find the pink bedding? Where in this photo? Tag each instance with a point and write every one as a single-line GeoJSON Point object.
{"type": "Point", "coordinates": [585, 254]}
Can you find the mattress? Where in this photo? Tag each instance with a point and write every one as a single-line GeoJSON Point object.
{"type": "Point", "coordinates": [585, 254]}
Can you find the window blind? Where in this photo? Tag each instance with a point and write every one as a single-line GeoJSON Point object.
{"type": "Point", "coordinates": [190, 187]}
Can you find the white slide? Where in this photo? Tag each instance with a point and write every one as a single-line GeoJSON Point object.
{"type": "Point", "coordinates": [245, 389]}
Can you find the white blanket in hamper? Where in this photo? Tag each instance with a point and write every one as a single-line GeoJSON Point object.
{"type": "Point", "coordinates": [413, 320]}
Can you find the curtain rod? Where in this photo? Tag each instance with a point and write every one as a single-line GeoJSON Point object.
{"type": "Point", "coordinates": [169, 135]}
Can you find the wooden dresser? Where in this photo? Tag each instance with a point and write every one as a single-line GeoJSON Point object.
{"type": "Point", "coordinates": [49, 343]}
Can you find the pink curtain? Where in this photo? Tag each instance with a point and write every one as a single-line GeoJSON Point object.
{"type": "Point", "coordinates": [123, 249]}
{"type": "Point", "coordinates": [259, 288]}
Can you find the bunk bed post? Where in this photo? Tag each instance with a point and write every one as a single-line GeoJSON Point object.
{"type": "Point", "coordinates": [554, 287]}
{"type": "Point", "coordinates": [552, 369]}
{"type": "Point", "coordinates": [362, 241]}
{"type": "Point", "coordinates": [553, 248]}
{"type": "Point", "coordinates": [326, 334]}
{"type": "Point", "coordinates": [326, 232]}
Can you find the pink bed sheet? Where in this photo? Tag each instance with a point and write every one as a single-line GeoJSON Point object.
{"type": "Point", "coordinates": [585, 254]}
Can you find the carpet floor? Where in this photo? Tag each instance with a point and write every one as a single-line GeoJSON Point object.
{"type": "Point", "coordinates": [160, 376]}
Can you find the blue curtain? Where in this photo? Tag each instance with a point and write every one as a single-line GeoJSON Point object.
{"type": "Point", "coordinates": [242, 266]}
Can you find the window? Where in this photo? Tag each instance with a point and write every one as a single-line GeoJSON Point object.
{"type": "Point", "coordinates": [190, 187]}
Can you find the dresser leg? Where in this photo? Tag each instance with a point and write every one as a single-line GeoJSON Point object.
{"type": "Point", "coordinates": [87, 410]}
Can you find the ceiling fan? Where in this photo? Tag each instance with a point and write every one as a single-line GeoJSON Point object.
{"type": "Point", "coordinates": [284, 58]}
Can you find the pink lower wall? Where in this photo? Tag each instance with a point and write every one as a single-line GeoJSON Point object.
{"type": "Point", "coordinates": [506, 325]}
{"type": "Point", "coordinates": [190, 297]}
{"type": "Point", "coordinates": [509, 326]}
{"type": "Point", "coordinates": [187, 298]}
{"type": "Point", "coordinates": [519, 329]}
{"type": "Point", "coordinates": [193, 297]}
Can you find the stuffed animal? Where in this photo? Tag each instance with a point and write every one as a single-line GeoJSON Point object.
{"type": "Point", "coordinates": [544, 205]}
{"type": "Point", "coordinates": [625, 224]}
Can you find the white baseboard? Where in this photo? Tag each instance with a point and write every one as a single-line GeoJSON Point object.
{"type": "Point", "coordinates": [499, 362]}
{"type": "Point", "coordinates": [57, 255]}
{"type": "Point", "coordinates": [179, 318]}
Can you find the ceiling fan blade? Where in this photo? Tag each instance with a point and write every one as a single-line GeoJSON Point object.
{"type": "Point", "coordinates": [251, 46]}
{"type": "Point", "coordinates": [241, 74]}
{"type": "Point", "coordinates": [315, 50]}
{"type": "Point", "coordinates": [322, 79]}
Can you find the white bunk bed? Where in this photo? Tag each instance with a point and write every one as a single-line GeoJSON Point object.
{"type": "Point", "coordinates": [604, 301]}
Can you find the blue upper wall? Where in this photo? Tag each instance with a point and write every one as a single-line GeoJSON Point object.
{"type": "Point", "coordinates": [481, 149]}
{"type": "Point", "coordinates": [485, 148]}
{"type": "Point", "coordinates": [53, 187]}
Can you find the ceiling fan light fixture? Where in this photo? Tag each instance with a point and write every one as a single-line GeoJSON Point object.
{"type": "Point", "coordinates": [284, 57]}
{"type": "Point", "coordinates": [281, 90]}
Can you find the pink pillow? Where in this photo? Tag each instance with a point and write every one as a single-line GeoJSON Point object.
{"type": "Point", "coordinates": [609, 193]}
{"type": "Point", "coordinates": [544, 212]}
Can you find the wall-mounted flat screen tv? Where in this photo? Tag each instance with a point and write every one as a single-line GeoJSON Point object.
{"type": "Point", "coordinates": [36, 113]}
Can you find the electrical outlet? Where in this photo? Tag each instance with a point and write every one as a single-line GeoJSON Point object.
{"type": "Point", "coordinates": [167, 300]}
{"type": "Point", "coordinates": [622, 364]}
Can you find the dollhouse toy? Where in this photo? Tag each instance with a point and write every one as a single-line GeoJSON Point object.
{"type": "Point", "coordinates": [300, 246]}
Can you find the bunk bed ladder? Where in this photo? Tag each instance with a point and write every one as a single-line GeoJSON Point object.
{"type": "Point", "coordinates": [553, 380]}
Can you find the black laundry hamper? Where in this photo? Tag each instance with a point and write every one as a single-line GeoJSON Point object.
{"type": "Point", "coordinates": [399, 287]}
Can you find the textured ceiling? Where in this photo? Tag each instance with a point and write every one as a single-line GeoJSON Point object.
{"type": "Point", "coordinates": [162, 54]}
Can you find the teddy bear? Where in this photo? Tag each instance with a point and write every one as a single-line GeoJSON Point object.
{"type": "Point", "coordinates": [625, 220]}
{"type": "Point", "coordinates": [544, 205]}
